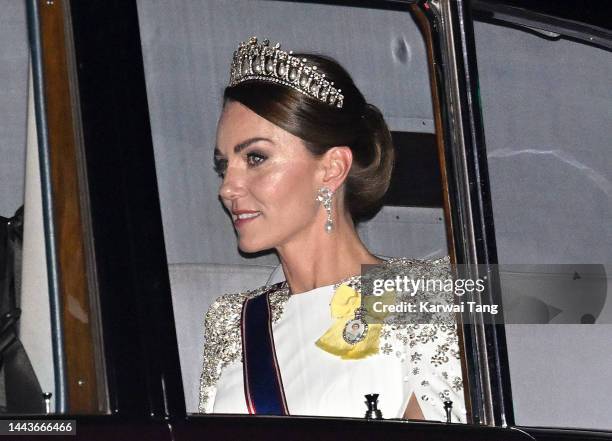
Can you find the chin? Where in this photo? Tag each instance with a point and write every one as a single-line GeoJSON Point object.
{"type": "Point", "coordinates": [252, 247]}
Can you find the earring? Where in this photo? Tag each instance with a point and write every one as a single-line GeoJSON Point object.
{"type": "Point", "coordinates": [325, 197]}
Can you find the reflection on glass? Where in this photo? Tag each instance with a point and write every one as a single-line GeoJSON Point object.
{"type": "Point", "coordinates": [546, 110]}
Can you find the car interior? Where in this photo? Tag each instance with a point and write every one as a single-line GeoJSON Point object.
{"type": "Point", "coordinates": [546, 106]}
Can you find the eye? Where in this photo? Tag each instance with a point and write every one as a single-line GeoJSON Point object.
{"type": "Point", "coordinates": [220, 166]}
{"type": "Point", "coordinates": [254, 159]}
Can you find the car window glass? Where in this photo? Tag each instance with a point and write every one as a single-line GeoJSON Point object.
{"type": "Point", "coordinates": [51, 358]}
{"type": "Point", "coordinates": [24, 292]}
{"type": "Point", "coordinates": [546, 107]}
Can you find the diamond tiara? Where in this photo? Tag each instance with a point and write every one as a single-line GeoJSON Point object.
{"type": "Point", "coordinates": [260, 61]}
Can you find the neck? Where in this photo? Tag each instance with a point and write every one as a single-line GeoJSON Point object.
{"type": "Point", "coordinates": [319, 258]}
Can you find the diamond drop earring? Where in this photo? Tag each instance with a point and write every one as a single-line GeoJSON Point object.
{"type": "Point", "coordinates": [324, 196]}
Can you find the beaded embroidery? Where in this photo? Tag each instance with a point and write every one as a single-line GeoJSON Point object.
{"type": "Point", "coordinates": [223, 341]}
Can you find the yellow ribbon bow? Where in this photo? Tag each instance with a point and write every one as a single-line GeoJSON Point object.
{"type": "Point", "coordinates": [343, 305]}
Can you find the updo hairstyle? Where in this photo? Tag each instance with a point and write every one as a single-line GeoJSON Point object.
{"type": "Point", "coordinates": [357, 124]}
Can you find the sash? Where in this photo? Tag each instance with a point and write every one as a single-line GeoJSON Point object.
{"type": "Point", "coordinates": [263, 386]}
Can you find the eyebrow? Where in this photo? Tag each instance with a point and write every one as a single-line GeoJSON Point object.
{"type": "Point", "coordinates": [243, 145]}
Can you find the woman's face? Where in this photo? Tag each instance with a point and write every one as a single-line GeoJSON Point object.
{"type": "Point", "coordinates": [270, 180]}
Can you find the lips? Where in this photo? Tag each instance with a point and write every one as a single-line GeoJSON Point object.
{"type": "Point", "coordinates": [241, 217]}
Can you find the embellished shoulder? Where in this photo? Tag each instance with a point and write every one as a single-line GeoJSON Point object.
{"type": "Point", "coordinates": [223, 343]}
{"type": "Point", "coordinates": [428, 345]}
{"type": "Point", "coordinates": [403, 331]}
{"type": "Point", "coordinates": [431, 279]}
{"type": "Point", "coordinates": [439, 267]}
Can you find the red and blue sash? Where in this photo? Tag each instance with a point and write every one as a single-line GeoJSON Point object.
{"type": "Point", "coordinates": [263, 386]}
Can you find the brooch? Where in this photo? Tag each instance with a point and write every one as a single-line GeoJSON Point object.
{"type": "Point", "coordinates": [352, 335]}
{"type": "Point", "coordinates": [355, 329]}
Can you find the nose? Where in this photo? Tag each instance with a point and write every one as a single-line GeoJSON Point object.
{"type": "Point", "coordinates": [233, 185]}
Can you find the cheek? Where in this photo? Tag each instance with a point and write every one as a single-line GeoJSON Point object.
{"type": "Point", "coordinates": [286, 189]}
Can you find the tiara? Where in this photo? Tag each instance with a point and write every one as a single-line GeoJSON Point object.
{"type": "Point", "coordinates": [260, 61]}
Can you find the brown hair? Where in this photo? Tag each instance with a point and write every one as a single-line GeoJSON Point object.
{"type": "Point", "coordinates": [321, 126]}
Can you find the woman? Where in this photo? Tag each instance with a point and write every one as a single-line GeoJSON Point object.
{"type": "Point", "coordinates": [303, 157]}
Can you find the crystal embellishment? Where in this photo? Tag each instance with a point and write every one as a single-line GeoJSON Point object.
{"type": "Point", "coordinates": [324, 196]}
{"type": "Point", "coordinates": [263, 62]}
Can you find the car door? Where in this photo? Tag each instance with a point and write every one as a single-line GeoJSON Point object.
{"type": "Point", "coordinates": [122, 89]}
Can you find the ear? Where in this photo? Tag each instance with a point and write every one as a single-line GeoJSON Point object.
{"type": "Point", "coordinates": [336, 164]}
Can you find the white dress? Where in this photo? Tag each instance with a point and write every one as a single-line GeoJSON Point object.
{"type": "Point", "coordinates": [419, 359]}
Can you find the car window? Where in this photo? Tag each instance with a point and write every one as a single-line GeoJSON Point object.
{"type": "Point", "coordinates": [52, 346]}
{"type": "Point", "coordinates": [546, 106]}
{"type": "Point", "coordinates": [187, 49]}
{"type": "Point", "coordinates": [25, 329]}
